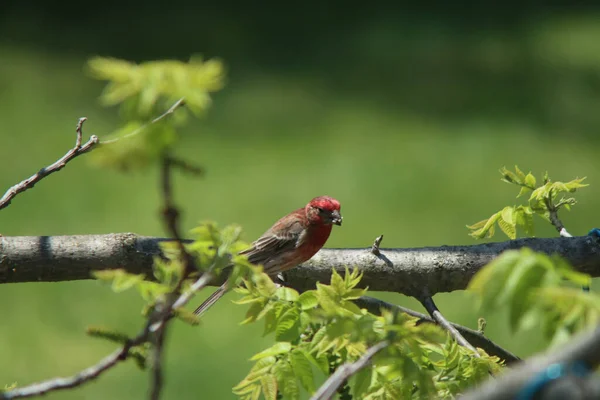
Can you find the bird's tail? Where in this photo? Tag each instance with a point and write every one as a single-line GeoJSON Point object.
{"type": "Point", "coordinates": [212, 299]}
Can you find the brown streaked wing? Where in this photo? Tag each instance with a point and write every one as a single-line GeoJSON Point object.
{"type": "Point", "coordinates": [272, 245]}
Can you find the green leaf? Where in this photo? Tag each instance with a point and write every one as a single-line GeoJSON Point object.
{"type": "Point", "coordinates": [519, 286]}
{"type": "Point", "coordinates": [108, 334]}
{"type": "Point", "coordinates": [509, 176]}
{"type": "Point", "coordinates": [277, 348]}
{"type": "Point", "coordinates": [151, 291]}
{"type": "Point", "coordinates": [530, 180]}
{"type": "Point", "coordinates": [524, 219]}
{"type": "Point", "coordinates": [119, 279]}
{"type": "Point", "coordinates": [327, 298]}
{"type": "Point", "coordinates": [484, 228]}
{"type": "Point", "coordinates": [337, 283]}
{"type": "Point", "coordinates": [520, 174]}
{"type": "Point", "coordinates": [187, 316]}
{"type": "Point", "coordinates": [269, 387]}
{"type": "Point", "coordinates": [302, 370]}
{"type": "Point", "coordinates": [360, 383]}
{"type": "Point", "coordinates": [286, 294]}
{"type": "Point", "coordinates": [253, 312]}
{"type": "Point", "coordinates": [489, 282]}
{"type": "Point", "coordinates": [508, 222]}
{"type": "Point", "coordinates": [308, 300]}
{"type": "Point", "coordinates": [288, 325]}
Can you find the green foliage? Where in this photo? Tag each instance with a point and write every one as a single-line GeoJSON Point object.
{"type": "Point", "coordinates": [108, 334]}
{"type": "Point", "coordinates": [324, 327]}
{"type": "Point", "coordinates": [212, 249]}
{"type": "Point", "coordinates": [542, 200]}
{"type": "Point", "coordinates": [145, 91]}
{"type": "Point", "coordinates": [537, 290]}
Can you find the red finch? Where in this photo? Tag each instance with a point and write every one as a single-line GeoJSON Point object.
{"type": "Point", "coordinates": [291, 241]}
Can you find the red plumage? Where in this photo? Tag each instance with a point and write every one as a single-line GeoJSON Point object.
{"type": "Point", "coordinates": [291, 241]}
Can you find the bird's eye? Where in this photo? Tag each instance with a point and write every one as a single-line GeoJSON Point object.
{"type": "Point", "coordinates": [320, 209]}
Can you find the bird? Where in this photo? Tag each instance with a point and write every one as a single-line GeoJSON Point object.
{"type": "Point", "coordinates": [292, 240]}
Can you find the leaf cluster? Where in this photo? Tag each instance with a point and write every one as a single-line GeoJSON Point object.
{"type": "Point", "coordinates": [323, 328]}
{"type": "Point", "coordinates": [543, 199]}
{"type": "Point", "coordinates": [212, 249]}
{"type": "Point", "coordinates": [537, 290]}
{"type": "Point", "coordinates": [144, 91]}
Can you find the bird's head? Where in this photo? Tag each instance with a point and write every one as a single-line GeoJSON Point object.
{"type": "Point", "coordinates": [324, 210]}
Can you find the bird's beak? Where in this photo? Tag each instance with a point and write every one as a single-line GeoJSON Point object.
{"type": "Point", "coordinates": [336, 218]}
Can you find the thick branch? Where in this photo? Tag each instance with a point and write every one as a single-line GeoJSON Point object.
{"type": "Point", "coordinates": [584, 348]}
{"type": "Point", "coordinates": [408, 271]}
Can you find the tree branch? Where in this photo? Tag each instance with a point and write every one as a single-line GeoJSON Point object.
{"type": "Point", "coordinates": [408, 271]}
{"type": "Point", "coordinates": [474, 337]}
{"type": "Point", "coordinates": [584, 347]}
{"type": "Point", "coordinates": [79, 149]}
{"type": "Point", "coordinates": [553, 215]}
{"type": "Point", "coordinates": [57, 166]}
{"type": "Point", "coordinates": [345, 371]}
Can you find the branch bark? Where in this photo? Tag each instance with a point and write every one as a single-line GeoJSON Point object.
{"type": "Point", "coordinates": [584, 347]}
{"type": "Point", "coordinates": [474, 337]}
{"type": "Point", "coordinates": [410, 271]}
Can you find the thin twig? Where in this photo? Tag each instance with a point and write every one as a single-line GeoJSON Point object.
{"type": "Point", "coordinates": [345, 371]}
{"type": "Point", "coordinates": [474, 337]}
{"type": "Point", "coordinates": [57, 166]}
{"type": "Point", "coordinates": [435, 313]}
{"type": "Point", "coordinates": [376, 244]}
{"type": "Point", "coordinates": [92, 143]}
{"type": "Point", "coordinates": [171, 110]}
{"type": "Point", "coordinates": [80, 378]}
{"type": "Point", "coordinates": [110, 361]}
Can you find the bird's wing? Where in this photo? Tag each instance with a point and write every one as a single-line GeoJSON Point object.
{"type": "Point", "coordinates": [283, 237]}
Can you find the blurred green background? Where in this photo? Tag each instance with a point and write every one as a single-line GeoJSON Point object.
{"type": "Point", "coordinates": [404, 113]}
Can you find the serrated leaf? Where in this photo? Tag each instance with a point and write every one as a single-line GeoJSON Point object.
{"type": "Point", "coordinates": [337, 283]}
{"type": "Point", "coordinates": [489, 282]}
{"type": "Point", "coordinates": [488, 228]}
{"type": "Point", "coordinates": [530, 180]}
{"type": "Point", "coordinates": [269, 387]}
{"type": "Point", "coordinates": [277, 348]}
{"type": "Point", "coordinates": [524, 219]}
{"type": "Point", "coordinates": [303, 370]}
{"type": "Point", "coordinates": [360, 383]}
{"type": "Point", "coordinates": [288, 325]}
{"type": "Point", "coordinates": [253, 312]}
{"type": "Point", "coordinates": [507, 222]}
{"type": "Point", "coordinates": [520, 286]}
{"type": "Point", "coordinates": [286, 294]}
{"type": "Point", "coordinates": [308, 300]}
{"type": "Point", "coordinates": [327, 298]}
{"type": "Point", "coordinates": [108, 334]}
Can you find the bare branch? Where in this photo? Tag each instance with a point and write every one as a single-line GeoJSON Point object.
{"type": "Point", "coordinates": [82, 377]}
{"type": "Point", "coordinates": [474, 337]}
{"type": "Point", "coordinates": [435, 313]}
{"type": "Point", "coordinates": [407, 271]}
{"type": "Point", "coordinates": [345, 371]}
{"type": "Point", "coordinates": [170, 111]}
{"type": "Point", "coordinates": [79, 149]}
{"type": "Point", "coordinates": [583, 348]}
{"type": "Point", "coordinates": [57, 166]}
